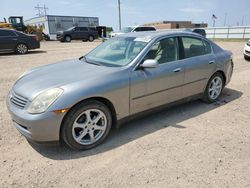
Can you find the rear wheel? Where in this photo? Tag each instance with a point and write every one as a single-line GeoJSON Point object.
{"type": "Point", "coordinates": [86, 125]}
{"type": "Point", "coordinates": [21, 49]}
{"type": "Point", "coordinates": [67, 39]}
{"type": "Point", "coordinates": [91, 38]}
{"type": "Point", "coordinates": [214, 88]}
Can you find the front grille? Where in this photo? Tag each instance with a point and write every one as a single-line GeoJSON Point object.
{"type": "Point", "coordinates": [18, 100]}
{"type": "Point", "coordinates": [247, 51]}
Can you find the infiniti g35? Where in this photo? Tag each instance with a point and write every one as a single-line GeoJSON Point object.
{"type": "Point", "coordinates": [78, 101]}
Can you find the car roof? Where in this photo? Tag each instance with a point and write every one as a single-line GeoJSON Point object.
{"type": "Point", "coordinates": [157, 34]}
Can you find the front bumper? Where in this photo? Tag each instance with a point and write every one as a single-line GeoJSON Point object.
{"type": "Point", "coordinates": [247, 50]}
{"type": "Point", "coordinates": [59, 37]}
{"type": "Point", "coordinates": [44, 127]}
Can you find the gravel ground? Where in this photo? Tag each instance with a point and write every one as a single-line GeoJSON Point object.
{"type": "Point", "coordinates": [190, 145]}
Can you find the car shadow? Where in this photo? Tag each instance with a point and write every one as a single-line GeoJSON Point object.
{"type": "Point", "coordinates": [141, 126]}
{"type": "Point", "coordinates": [29, 52]}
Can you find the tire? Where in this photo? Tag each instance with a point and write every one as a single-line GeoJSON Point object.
{"type": "Point", "coordinates": [214, 88]}
{"type": "Point", "coordinates": [246, 58]}
{"type": "Point", "coordinates": [91, 38]}
{"type": "Point", "coordinates": [67, 38]}
{"type": "Point", "coordinates": [80, 123]}
{"type": "Point", "coordinates": [21, 48]}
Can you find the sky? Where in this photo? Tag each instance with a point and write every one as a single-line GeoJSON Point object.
{"type": "Point", "coordinates": [136, 12]}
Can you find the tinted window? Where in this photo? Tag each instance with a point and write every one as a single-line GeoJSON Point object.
{"type": "Point", "coordinates": [92, 29]}
{"type": "Point", "coordinates": [207, 47]}
{"type": "Point", "coordinates": [5, 33]}
{"type": "Point", "coordinates": [149, 29]}
{"type": "Point", "coordinates": [145, 29]}
{"type": "Point", "coordinates": [193, 47]}
{"type": "Point", "coordinates": [83, 28]}
{"type": "Point", "coordinates": [164, 51]}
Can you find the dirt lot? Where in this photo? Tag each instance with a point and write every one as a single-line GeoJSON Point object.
{"type": "Point", "coordinates": [191, 145]}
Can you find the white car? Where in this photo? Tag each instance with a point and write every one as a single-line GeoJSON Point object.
{"type": "Point", "coordinates": [133, 29]}
{"type": "Point", "coordinates": [247, 50]}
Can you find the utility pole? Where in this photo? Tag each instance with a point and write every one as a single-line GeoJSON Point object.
{"type": "Point", "coordinates": [42, 10]}
{"type": "Point", "coordinates": [120, 20]}
{"type": "Point", "coordinates": [225, 20]}
{"type": "Point", "coordinates": [242, 21]}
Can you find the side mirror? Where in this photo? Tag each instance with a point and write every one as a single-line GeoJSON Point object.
{"type": "Point", "coordinates": [149, 63]}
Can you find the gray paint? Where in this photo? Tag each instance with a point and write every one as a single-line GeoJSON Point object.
{"type": "Point", "coordinates": [129, 89]}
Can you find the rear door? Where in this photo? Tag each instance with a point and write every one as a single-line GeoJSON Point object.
{"type": "Point", "coordinates": [200, 63]}
{"type": "Point", "coordinates": [84, 32]}
{"type": "Point", "coordinates": [8, 40]}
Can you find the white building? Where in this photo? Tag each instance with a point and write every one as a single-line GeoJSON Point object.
{"type": "Point", "coordinates": [52, 23]}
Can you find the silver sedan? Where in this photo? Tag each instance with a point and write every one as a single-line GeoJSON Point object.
{"type": "Point", "coordinates": [78, 101]}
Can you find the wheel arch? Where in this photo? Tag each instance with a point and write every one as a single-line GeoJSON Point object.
{"type": "Point", "coordinates": [103, 100]}
{"type": "Point", "coordinates": [22, 42]}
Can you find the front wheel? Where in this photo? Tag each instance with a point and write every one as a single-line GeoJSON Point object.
{"type": "Point", "coordinates": [246, 57]}
{"type": "Point", "coordinates": [86, 125]}
{"type": "Point", "coordinates": [67, 39]}
{"type": "Point", "coordinates": [214, 88]}
{"type": "Point", "coordinates": [21, 49]}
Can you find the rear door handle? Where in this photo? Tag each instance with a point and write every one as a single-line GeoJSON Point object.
{"type": "Point", "coordinates": [177, 70]}
{"type": "Point", "coordinates": [211, 62]}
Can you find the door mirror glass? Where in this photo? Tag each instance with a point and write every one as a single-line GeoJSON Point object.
{"type": "Point", "coordinates": [150, 63]}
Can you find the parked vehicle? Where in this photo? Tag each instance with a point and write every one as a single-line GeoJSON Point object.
{"type": "Point", "coordinates": [12, 40]}
{"type": "Point", "coordinates": [247, 51]}
{"type": "Point", "coordinates": [133, 29]}
{"type": "Point", "coordinates": [78, 101]}
{"type": "Point", "coordinates": [77, 33]}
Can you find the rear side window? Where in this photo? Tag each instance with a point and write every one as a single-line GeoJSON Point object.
{"type": "Point", "coordinates": [83, 28]}
{"type": "Point", "coordinates": [5, 33]}
{"type": "Point", "coordinates": [195, 47]}
{"type": "Point", "coordinates": [207, 47]}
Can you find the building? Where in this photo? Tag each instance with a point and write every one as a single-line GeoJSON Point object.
{"type": "Point", "coordinates": [51, 24]}
{"type": "Point", "coordinates": [176, 24]}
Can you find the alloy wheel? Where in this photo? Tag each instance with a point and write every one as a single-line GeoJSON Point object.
{"type": "Point", "coordinates": [215, 87]}
{"type": "Point", "coordinates": [89, 126]}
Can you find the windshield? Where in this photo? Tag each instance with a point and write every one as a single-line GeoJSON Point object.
{"type": "Point", "coordinates": [126, 29]}
{"type": "Point", "coordinates": [69, 29]}
{"type": "Point", "coordinates": [118, 51]}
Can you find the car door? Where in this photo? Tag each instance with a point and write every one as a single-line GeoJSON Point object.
{"type": "Point", "coordinates": [84, 33]}
{"type": "Point", "coordinates": [152, 87]}
{"type": "Point", "coordinates": [8, 40]}
{"type": "Point", "coordinates": [200, 63]}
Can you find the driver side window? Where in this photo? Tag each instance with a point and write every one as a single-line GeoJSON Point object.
{"type": "Point", "coordinates": [164, 51]}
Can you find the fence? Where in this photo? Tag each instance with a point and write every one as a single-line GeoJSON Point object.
{"type": "Point", "coordinates": [237, 32]}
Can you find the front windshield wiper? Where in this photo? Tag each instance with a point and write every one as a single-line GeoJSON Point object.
{"type": "Point", "coordinates": [90, 62]}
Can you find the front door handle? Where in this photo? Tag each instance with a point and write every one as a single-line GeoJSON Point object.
{"type": "Point", "coordinates": [177, 70]}
{"type": "Point", "coordinates": [211, 62]}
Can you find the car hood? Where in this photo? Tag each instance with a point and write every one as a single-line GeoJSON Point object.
{"type": "Point", "coordinates": [58, 75]}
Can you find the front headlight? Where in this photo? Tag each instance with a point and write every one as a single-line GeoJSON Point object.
{"type": "Point", "coordinates": [43, 101]}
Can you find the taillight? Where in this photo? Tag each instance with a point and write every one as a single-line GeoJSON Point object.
{"type": "Point", "coordinates": [35, 37]}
